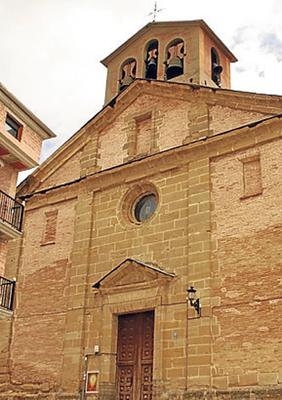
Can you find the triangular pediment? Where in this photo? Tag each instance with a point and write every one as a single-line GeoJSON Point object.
{"type": "Point", "coordinates": [132, 272]}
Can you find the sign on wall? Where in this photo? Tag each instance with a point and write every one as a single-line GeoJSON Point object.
{"type": "Point", "coordinates": [92, 382]}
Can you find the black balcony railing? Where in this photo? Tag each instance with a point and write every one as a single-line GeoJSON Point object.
{"type": "Point", "coordinates": [7, 289]}
{"type": "Point", "coordinates": [11, 211]}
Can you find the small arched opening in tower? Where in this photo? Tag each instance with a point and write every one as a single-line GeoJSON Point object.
{"type": "Point", "coordinates": [174, 60]}
{"type": "Point", "coordinates": [216, 68]}
{"type": "Point", "coordinates": [127, 73]}
{"type": "Point", "coordinates": [151, 60]}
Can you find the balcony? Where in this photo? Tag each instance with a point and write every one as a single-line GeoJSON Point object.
{"type": "Point", "coordinates": [7, 290]}
{"type": "Point", "coordinates": [11, 216]}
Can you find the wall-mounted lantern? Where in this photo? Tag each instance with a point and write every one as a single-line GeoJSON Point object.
{"type": "Point", "coordinates": [193, 301]}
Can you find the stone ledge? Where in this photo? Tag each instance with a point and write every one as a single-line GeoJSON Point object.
{"type": "Point", "coordinates": [5, 313]}
{"type": "Point", "coordinates": [236, 394]}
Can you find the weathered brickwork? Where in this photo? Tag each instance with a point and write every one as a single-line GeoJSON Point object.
{"type": "Point", "coordinates": [5, 326]}
{"type": "Point", "coordinates": [49, 235]}
{"type": "Point", "coordinates": [252, 176]}
{"type": "Point", "coordinates": [3, 254]}
{"type": "Point", "coordinates": [30, 142]}
{"type": "Point", "coordinates": [225, 118]}
{"type": "Point", "coordinates": [16, 154]}
{"type": "Point", "coordinates": [72, 166]}
{"type": "Point", "coordinates": [42, 338]}
{"type": "Point", "coordinates": [247, 230]}
{"type": "Point", "coordinates": [8, 179]}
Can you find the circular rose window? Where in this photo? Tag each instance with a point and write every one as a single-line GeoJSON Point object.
{"type": "Point", "coordinates": [145, 207]}
{"type": "Point", "coordinates": [139, 203]}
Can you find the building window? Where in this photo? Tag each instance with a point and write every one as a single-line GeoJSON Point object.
{"type": "Point", "coordinates": [174, 60]}
{"type": "Point", "coordinates": [127, 73]}
{"type": "Point", "coordinates": [151, 61]}
{"type": "Point", "coordinates": [145, 207]}
{"type": "Point", "coordinates": [13, 127]}
{"type": "Point", "coordinates": [50, 230]}
{"type": "Point", "coordinates": [252, 176]}
{"type": "Point", "coordinates": [216, 68]}
{"type": "Point", "coordinates": [143, 134]}
{"type": "Point", "coordinates": [140, 203]}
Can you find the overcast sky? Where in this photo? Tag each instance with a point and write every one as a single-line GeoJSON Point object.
{"type": "Point", "coordinates": [51, 49]}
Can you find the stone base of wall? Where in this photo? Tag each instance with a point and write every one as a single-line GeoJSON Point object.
{"type": "Point", "coordinates": [5, 329]}
{"type": "Point", "coordinates": [20, 395]}
{"type": "Point", "coordinates": [234, 394]}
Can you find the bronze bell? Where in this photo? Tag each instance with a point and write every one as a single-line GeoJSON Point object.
{"type": "Point", "coordinates": [151, 70]}
{"type": "Point", "coordinates": [125, 82]}
{"type": "Point", "coordinates": [174, 67]}
{"type": "Point", "coordinates": [216, 71]}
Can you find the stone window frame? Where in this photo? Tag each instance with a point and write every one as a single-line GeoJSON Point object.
{"type": "Point", "coordinates": [147, 45]}
{"type": "Point", "coordinates": [132, 195]}
{"type": "Point", "coordinates": [215, 59]}
{"type": "Point", "coordinates": [245, 161]}
{"type": "Point", "coordinates": [51, 217]}
{"type": "Point", "coordinates": [177, 40]}
{"type": "Point", "coordinates": [121, 66]}
{"type": "Point", "coordinates": [131, 129]}
{"type": "Point", "coordinates": [10, 120]}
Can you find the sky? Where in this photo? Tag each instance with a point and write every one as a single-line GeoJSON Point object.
{"type": "Point", "coordinates": [50, 50]}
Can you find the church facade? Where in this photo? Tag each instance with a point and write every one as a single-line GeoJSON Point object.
{"type": "Point", "coordinates": [150, 262]}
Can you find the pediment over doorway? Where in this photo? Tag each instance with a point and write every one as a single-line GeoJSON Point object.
{"type": "Point", "coordinates": [132, 272]}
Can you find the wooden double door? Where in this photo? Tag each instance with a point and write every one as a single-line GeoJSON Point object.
{"type": "Point", "coordinates": [135, 356]}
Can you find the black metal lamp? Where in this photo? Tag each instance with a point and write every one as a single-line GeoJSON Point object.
{"type": "Point", "coordinates": [193, 301]}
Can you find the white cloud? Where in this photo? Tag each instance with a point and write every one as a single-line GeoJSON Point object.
{"type": "Point", "coordinates": [271, 44]}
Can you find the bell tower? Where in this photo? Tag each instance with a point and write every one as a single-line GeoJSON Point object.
{"type": "Point", "coordinates": [181, 51]}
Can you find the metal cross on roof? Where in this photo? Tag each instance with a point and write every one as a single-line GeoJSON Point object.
{"type": "Point", "coordinates": [155, 12]}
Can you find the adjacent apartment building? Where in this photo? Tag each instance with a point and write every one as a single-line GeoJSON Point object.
{"type": "Point", "coordinates": [21, 136]}
{"type": "Point", "coordinates": [150, 261]}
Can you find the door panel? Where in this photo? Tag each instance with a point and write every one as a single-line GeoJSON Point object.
{"type": "Point", "coordinates": [146, 382]}
{"type": "Point", "coordinates": [135, 356]}
{"type": "Point", "coordinates": [125, 379]}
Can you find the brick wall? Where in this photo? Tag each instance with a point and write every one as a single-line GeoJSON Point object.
{"type": "Point", "coordinates": [30, 141]}
{"type": "Point", "coordinates": [41, 296]}
{"type": "Point", "coordinates": [225, 118]}
{"type": "Point", "coordinates": [3, 254]}
{"type": "Point", "coordinates": [5, 329]}
{"type": "Point", "coordinates": [8, 179]}
{"type": "Point", "coordinates": [247, 282]}
{"type": "Point", "coordinates": [68, 171]}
